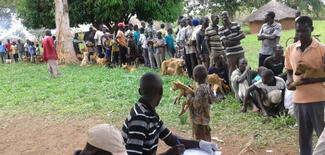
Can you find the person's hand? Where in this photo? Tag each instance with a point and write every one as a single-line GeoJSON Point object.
{"type": "Point", "coordinates": [208, 146]}
{"type": "Point", "coordinates": [248, 68]}
{"type": "Point", "coordinates": [176, 150]}
{"type": "Point", "coordinates": [288, 84]}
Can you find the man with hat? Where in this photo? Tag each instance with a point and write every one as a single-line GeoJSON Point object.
{"type": "Point", "coordinates": [103, 139]}
{"type": "Point", "coordinates": [120, 39]}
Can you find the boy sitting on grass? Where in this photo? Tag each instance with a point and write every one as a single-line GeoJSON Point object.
{"type": "Point", "coordinates": [269, 94]}
{"type": "Point", "coordinates": [200, 108]}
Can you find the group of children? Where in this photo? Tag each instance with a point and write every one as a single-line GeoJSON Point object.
{"type": "Point", "coordinates": [19, 50]}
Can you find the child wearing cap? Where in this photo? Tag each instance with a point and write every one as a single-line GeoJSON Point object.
{"type": "Point", "coordinates": [103, 139]}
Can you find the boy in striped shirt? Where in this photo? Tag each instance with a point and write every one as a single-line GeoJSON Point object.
{"type": "Point", "coordinates": [143, 126]}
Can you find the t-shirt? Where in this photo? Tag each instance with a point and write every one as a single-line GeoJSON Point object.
{"type": "Point", "coordinates": [2, 48]}
{"type": "Point", "coordinates": [213, 39]}
{"type": "Point", "coordinates": [14, 49]}
{"type": "Point", "coordinates": [121, 38]}
{"type": "Point", "coordinates": [280, 85]}
{"type": "Point", "coordinates": [313, 57]}
{"type": "Point", "coordinates": [142, 130]}
{"type": "Point", "coordinates": [267, 44]}
{"type": "Point", "coordinates": [143, 41]}
{"type": "Point", "coordinates": [163, 32]}
{"type": "Point", "coordinates": [98, 37]}
{"type": "Point", "coordinates": [233, 31]}
{"type": "Point", "coordinates": [136, 35]}
{"type": "Point", "coordinates": [152, 29]}
{"type": "Point", "coordinates": [49, 50]}
{"type": "Point", "coordinates": [190, 49]}
{"type": "Point", "coordinates": [160, 42]}
{"type": "Point", "coordinates": [170, 42]}
{"type": "Point", "coordinates": [21, 47]}
{"type": "Point", "coordinates": [276, 65]}
{"type": "Point", "coordinates": [221, 72]}
{"type": "Point", "coordinates": [8, 47]}
{"type": "Point", "coordinates": [31, 50]}
{"type": "Point", "coordinates": [200, 108]}
{"type": "Point", "coordinates": [114, 46]}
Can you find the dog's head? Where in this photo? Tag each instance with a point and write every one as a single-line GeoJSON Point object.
{"type": "Point", "coordinates": [301, 68]}
{"type": "Point", "coordinates": [176, 85]}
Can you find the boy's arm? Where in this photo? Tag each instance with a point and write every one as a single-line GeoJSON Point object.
{"type": "Point", "coordinates": [244, 75]}
{"type": "Point", "coordinates": [251, 88]}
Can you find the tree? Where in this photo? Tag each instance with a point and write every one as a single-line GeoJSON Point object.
{"type": "Point", "coordinates": [37, 15]}
{"type": "Point", "coordinates": [63, 33]}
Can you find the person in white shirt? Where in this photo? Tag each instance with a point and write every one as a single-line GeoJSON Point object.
{"type": "Point", "coordinates": [98, 40]}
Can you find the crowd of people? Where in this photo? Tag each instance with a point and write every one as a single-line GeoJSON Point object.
{"type": "Point", "coordinates": [207, 49]}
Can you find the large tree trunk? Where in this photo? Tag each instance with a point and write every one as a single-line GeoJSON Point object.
{"type": "Point", "coordinates": [64, 45]}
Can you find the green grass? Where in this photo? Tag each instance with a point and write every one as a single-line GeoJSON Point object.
{"type": "Point", "coordinates": [100, 92]}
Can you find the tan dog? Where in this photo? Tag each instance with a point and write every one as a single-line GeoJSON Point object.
{"type": "Point", "coordinates": [26, 59]}
{"type": "Point", "coordinates": [101, 61]}
{"type": "Point", "coordinates": [173, 67]}
{"type": "Point", "coordinates": [38, 59]}
{"type": "Point", "coordinates": [129, 68]}
{"type": "Point", "coordinates": [307, 72]}
{"type": "Point", "coordinates": [85, 61]}
{"type": "Point", "coordinates": [217, 83]}
{"type": "Point", "coordinates": [187, 92]}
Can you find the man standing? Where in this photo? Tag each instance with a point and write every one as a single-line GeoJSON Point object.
{"type": "Point", "coordinates": [201, 46]}
{"type": "Point", "coordinates": [49, 54]}
{"type": "Point", "coordinates": [120, 38]}
{"type": "Point", "coordinates": [231, 34]}
{"type": "Point", "coordinates": [98, 39]}
{"type": "Point", "coordinates": [308, 97]}
{"type": "Point", "coordinates": [179, 39]}
{"type": "Point", "coordinates": [270, 35]}
{"type": "Point", "coordinates": [90, 41]}
{"type": "Point", "coordinates": [143, 127]}
{"type": "Point", "coordinates": [212, 38]}
{"type": "Point", "coordinates": [21, 49]}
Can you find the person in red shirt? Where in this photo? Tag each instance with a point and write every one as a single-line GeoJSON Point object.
{"type": "Point", "coordinates": [8, 48]}
{"type": "Point", "coordinates": [49, 54]}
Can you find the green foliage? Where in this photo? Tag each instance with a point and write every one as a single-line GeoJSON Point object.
{"type": "Point", "coordinates": [41, 14]}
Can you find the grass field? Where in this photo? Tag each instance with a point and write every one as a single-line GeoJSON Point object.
{"type": "Point", "coordinates": [100, 92]}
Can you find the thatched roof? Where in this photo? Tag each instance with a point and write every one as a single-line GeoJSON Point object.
{"type": "Point", "coordinates": [281, 12]}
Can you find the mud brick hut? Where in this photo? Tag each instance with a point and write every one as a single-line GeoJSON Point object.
{"type": "Point", "coordinates": [283, 14]}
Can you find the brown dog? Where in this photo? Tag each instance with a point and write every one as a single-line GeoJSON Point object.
{"type": "Point", "coordinates": [129, 68]}
{"type": "Point", "coordinates": [173, 67]}
{"type": "Point", "coordinates": [187, 92]}
{"type": "Point", "coordinates": [307, 72]}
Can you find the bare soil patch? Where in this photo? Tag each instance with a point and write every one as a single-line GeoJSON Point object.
{"type": "Point", "coordinates": [45, 135]}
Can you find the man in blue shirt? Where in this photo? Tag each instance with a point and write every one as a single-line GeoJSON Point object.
{"type": "Point", "coordinates": [2, 52]}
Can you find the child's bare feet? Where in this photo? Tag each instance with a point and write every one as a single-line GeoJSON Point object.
{"type": "Point", "coordinates": [255, 110]}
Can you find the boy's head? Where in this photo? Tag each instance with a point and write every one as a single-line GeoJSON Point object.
{"type": "Point", "coordinates": [241, 64]}
{"type": "Point", "coordinates": [143, 24]}
{"type": "Point", "coordinates": [150, 21]}
{"type": "Point", "coordinates": [150, 34]}
{"type": "Point", "coordinates": [225, 18]}
{"type": "Point", "coordinates": [37, 45]}
{"type": "Point", "coordinates": [130, 27]}
{"type": "Point", "coordinates": [141, 30]}
{"type": "Point", "coordinates": [269, 17]}
{"type": "Point", "coordinates": [18, 41]}
{"type": "Point", "coordinates": [8, 41]}
{"type": "Point", "coordinates": [278, 50]}
{"type": "Point", "coordinates": [205, 21]}
{"type": "Point", "coordinates": [219, 60]}
{"type": "Point", "coordinates": [162, 26]}
{"type": "Point", "coordinates": [151, 88]}
{"type": "Point", "coordinates": [189, 20]}
{"type": "Point", "coordinates": [200, 73]}
{"type": "Point", "coordinates": [48, 33]}
{"type": "Point", "coordinates": [32, 43]}
{"type": "Point", "coordinates": [136, 27]}
{"type": "Point", "coordinates": [215, 19]}
{"type": "Point", "coordinates": [267, 77]}
{"type": "Point", "coordinates": [304, 28]}
{"type": "Point", "coordinates": [260, 70]}
{"type": "Point", "coordinates": [76, 35]}
{"type": "Point", "coordinates": [180, 18]}
{"type": "Point", "coordinates": [170, 31]}
{"type": "Point", "coordinates": [14, 43]}
{"type": "Point", "coordinates": [159, 35]}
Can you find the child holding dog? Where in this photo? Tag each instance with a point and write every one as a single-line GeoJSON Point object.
{"type": "Point", "coordinates": [200, 108]}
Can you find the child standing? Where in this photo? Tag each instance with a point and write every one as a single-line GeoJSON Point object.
{"type": "Point", "coordinates": [115, 50]}
{"type": "Point", "coordinates": [150, 41]}
{"type": "Point", "coordinates": [38, 50]}
{"type": "Point", "coordinates": [170, 43]}
{"type": "Point", "coordinates": [159, 49]}
{"type": "Point", "coordinates": [143, 41]}
{"type": "Point", "coordinates": [14, 50]}
{"type": "Point", "coordinates": [32, 51]}
{"type": "Point", "coordinates": [200, 108]}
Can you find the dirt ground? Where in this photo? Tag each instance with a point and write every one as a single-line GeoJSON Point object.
{"type": "Point", "coordinates": [44, 136]}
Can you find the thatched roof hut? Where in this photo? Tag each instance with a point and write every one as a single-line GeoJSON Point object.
{"type": "Point", "coordinates": [283, 14]}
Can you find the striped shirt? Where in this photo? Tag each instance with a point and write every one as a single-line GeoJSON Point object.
{"type": "Point", "coordinates": [227, 33]}
{"type": "Point", "coordinates": [214, 41]}
{"type": "Point", "coordinates": [141, 130]}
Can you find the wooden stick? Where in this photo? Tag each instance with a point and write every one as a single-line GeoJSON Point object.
{"type": "Point", "coordinates": [248, 144]}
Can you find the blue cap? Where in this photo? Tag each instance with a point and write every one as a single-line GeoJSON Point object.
{"type": "Point", "coordinates": [195, 22]}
